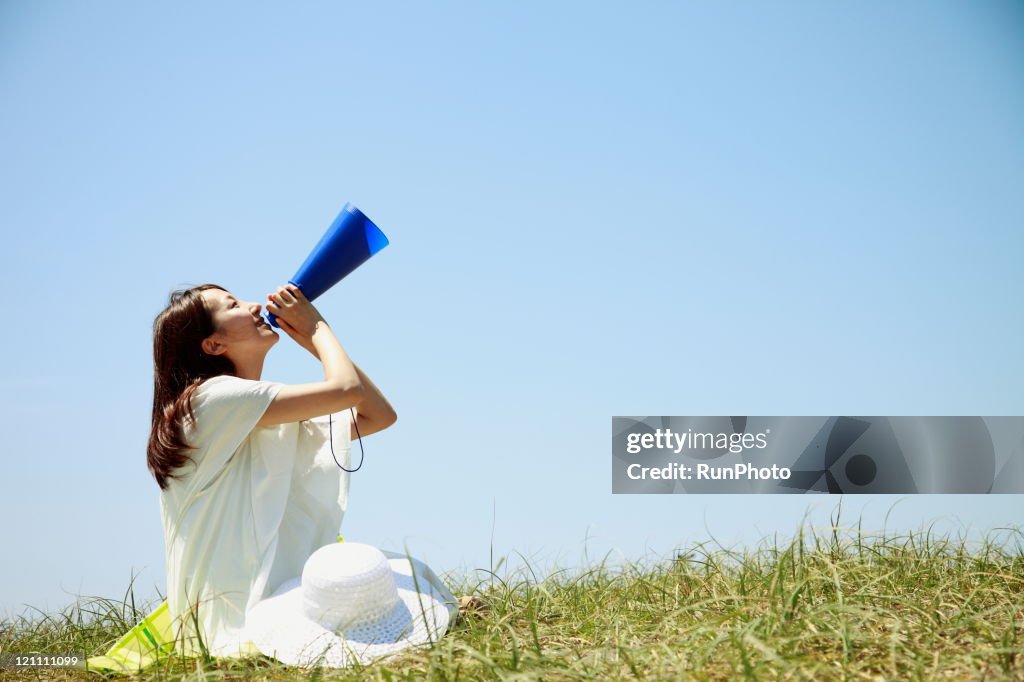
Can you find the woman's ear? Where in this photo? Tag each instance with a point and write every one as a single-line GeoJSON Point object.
{"type": "Point", "coordinates": [211, 346]}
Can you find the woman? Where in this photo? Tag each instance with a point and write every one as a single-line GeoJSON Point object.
{"type": "Point", "coordinates": [249, 476]}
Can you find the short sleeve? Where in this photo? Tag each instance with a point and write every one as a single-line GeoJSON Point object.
{"type": "Point", "coordinates": [226, 409]}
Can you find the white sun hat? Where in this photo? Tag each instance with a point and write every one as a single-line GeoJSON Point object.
{"type": "Point", "coordinates": [352, 604]}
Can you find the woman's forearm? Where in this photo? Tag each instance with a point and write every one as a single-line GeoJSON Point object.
{"type": "Point", "coordinates": [338, 366]}
{"type": "Point", "coordinates": [374, 405]}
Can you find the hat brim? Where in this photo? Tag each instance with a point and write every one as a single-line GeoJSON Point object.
{"type": "Point", "coordinates": [278, 627]}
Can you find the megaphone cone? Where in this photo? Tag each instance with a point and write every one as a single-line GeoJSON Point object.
{"type": "Point", "coordinates": [348, 243]}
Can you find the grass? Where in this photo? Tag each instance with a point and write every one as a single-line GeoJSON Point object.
{"type": "Point", "coordinates": [830, 607]}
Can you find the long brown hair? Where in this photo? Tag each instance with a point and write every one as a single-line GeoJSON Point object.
{"type": "Point", "coordinates": [180, 366]}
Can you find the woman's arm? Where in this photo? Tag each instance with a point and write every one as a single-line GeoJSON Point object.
{"type": "Point", "coordinates": [373, 413]}
{"type": "Point", "coordinates": [340, 389]}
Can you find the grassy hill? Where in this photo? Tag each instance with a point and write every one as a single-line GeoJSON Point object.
{"type": "Point", "coordinates": [838, 606]}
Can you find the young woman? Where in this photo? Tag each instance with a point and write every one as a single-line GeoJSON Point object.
{"type": "Point", "coordinates": [251, 472]}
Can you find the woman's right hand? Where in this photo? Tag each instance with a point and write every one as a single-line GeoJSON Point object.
{"type": "Point", "coordinates": [296, 315]}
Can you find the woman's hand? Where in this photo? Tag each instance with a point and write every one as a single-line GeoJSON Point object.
{"type": "Point", "coordinates": [296, 315]}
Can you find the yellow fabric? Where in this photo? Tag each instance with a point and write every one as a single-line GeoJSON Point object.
{"type": "Point", "coordinates": [143, 645]}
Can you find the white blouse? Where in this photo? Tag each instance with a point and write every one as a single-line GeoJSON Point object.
{"type": "Point", "coordinates": [245, 517]}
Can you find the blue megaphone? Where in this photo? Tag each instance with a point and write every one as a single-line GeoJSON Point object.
{"type": "Point", "coordinates": [348, 243]}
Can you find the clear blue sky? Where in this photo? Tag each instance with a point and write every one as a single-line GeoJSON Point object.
{"type": "Point", "coordinates": [594, 210]}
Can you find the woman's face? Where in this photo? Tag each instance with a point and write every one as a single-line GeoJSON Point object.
{"type": "Point", "coordinates": [240, 328]}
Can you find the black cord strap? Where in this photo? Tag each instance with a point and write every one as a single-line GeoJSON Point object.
{"type": "Point", "coordinates": [362, 453]}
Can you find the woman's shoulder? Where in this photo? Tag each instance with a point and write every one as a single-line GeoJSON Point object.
{"type": "Point", "coordinates": [228, 392]}
{"type": "Point", "coordinates": [226, 389]}
{"type": "Point", "coordinates": [220, 379]}
{"type": "Point", "coordinates": [225, 404]}
{"type": "Point", "coordinates": [213, 386]}
{"type": "Point", "coordinates": [228, 384]}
